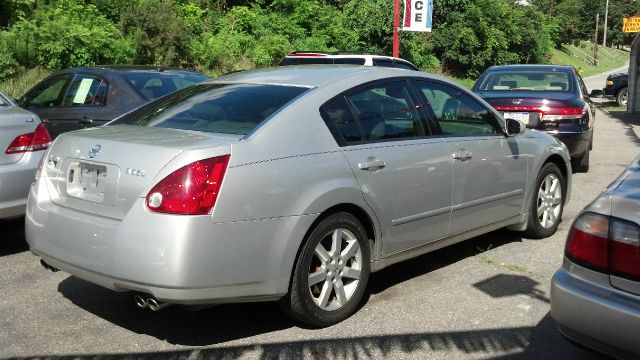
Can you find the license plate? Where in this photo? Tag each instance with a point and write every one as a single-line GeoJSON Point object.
{"type": "Point", "coordinates": [522, 116]}
{"type": "Point", "coordinates": [87, 181]}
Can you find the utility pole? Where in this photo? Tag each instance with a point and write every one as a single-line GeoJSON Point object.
{"type": "Point", "coordinates": [396, 25]}
{"type": "Point", "coordinates": [606, 15]}
{"type": "Point", "coordinates": [595, 42]}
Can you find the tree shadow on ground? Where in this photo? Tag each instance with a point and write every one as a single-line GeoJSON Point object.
{"type": "Point", "coordinates": [536, 342]}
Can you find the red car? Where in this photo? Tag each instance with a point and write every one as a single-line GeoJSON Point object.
{"type": "Point", "coordinates": [548, 98]}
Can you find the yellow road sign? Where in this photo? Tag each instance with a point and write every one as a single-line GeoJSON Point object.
{"type": "Point", "coordinates": [631, 24]}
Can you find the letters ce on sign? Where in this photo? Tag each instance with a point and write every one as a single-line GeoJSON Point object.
{"type": "Point", "coordinates": [631, 24]}
{"type": "Point", "coordinates": [417, 15]}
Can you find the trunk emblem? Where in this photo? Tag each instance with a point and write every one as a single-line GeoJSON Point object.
{"type": "Point", "coordinates": [135, 172]}
{"type": "Point", "coordinates": [94, 150]}
{"type": "Point", "coordinates": [516, 101]}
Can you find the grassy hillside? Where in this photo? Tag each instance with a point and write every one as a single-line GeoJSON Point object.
{"type": "Point", "coordinates": [581, 57]}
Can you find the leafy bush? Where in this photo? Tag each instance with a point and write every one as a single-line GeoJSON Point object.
{"type": "Point", "coordinates": [68, 33]}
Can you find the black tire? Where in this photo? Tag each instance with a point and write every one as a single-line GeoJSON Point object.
{"type": "Point", "coordinates": [538, 228]}
{"type": "Point", "coordinates": [621, 97]}
{"type": "Point", "coordinates": [301, 303]}
{"type": "Point", "coordinates": [581, 163]}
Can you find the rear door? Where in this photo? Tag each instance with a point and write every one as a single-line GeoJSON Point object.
{"type": "Point", "coordinates": [489, 169]}
{"type": "Point", "coordinates": [404, 172]}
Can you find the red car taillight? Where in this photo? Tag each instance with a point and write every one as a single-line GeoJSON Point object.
{"type": "Point", "coordinates": [605, 244]}
{"type": "Point", "coordinates": [561, 113]}
{"type": "Point", "coordinates": [190, 190]}
{"type": "Point", "coordinates": [34, 141]}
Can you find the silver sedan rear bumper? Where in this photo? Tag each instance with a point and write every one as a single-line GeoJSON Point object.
{"type": "Point", "coordinates": [596, 316]}
{"type": "Point", "coordinates": [14, 184]}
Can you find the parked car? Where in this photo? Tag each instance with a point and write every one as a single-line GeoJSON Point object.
{"type": "Point", "coordinates": [312, 57]}
{"type": "Point", "coordinates": [595, 295]}
{"type": "Point", "coordinates": [23, 140]}
{"type": "Point", "coordinates": [290, 184]}
{"type": "Point", "coordinates": [547, 98]}
{"type": "Point", "coordinates": [84, 97]}
{"type": "Point", "coordinates": [617, 88]}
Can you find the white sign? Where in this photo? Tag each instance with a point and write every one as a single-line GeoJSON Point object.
{"type": "Point", "coordinates": [417, 15]}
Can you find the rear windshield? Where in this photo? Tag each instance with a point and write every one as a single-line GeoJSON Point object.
{"type": "Point", "coordinates": [154, 84]}
{"type": "Point", "coordinates": [526, 81]}
{"type": "Point", "coordinates": [321, 60]}
{"type": "Point", "coordinates": [219, 108]}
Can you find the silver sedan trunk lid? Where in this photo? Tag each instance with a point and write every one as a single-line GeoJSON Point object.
{"type": "Point", "coordinates": [14, 122]}
{"type": "Point", "coordinates": [104, 170]}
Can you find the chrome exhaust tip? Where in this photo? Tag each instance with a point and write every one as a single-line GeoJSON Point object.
{"type": "Point", "coordinates": [47, 266]}
{"type": "Point", "coordinates": [140, 302]}
{"type": "Point", "coordinates": [155, 305]}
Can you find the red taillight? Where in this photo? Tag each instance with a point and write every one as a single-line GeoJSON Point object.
{"type": "Point", "coordinates": [546, 112]}
{"type": "Point", "coordinates": [35, 141]}
{"type": "Point", "coordinates": [609, 245]}
{"type": "Point", "coordinates": [587, 243]}
{"type": "Point", "coordinates": [190, 190]}
{"type": "Point", "coordinates": [561, 113]}
{"type": "Point", "coordinates": [625, 249]}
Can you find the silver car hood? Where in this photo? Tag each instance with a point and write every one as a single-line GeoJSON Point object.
{"type": "Point", "coordinates": [104, 170]}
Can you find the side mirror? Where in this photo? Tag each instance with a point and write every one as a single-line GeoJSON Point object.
{"type": "Point", "coordinates": [514, 127]}
{"type": "Point", "coordinates": [596, 93]}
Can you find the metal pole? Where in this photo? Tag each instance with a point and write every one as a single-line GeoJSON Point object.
{"type": "Point", "coordinates": [396, 24]}
{"type": "Point", "coordinates": [606, 14]}
{"type": "Point", "coordinates": [595, 42]}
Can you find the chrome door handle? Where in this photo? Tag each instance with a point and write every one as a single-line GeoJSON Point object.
{"type": "Point", "coordinates": [462, 155]}
{"type": "Point", "coordinates": [372, 165]}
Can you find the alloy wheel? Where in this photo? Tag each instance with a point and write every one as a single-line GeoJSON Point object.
{"type": "Point", "coordinates": [549, 201]}
{"type": "Point", "coordinates": [335, 270]}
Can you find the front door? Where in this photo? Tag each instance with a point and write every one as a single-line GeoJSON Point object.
{"type": "Point", "coordinates": [489, 169]}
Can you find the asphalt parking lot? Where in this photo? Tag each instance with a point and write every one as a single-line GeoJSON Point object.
{"type": "Point", "coordinates": [485, 298]}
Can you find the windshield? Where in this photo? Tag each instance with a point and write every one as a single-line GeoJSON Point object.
{"type": "Point", "coordinates": [4, 101]}
{"type": "Point", "coordinates": [220, 108]}
{"type": "Point", "coordinates": [527, 80]}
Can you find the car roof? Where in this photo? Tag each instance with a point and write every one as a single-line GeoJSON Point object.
{"type": "Point", "coordinates": [126, 68]}
{"type": "Point", "coordinates": [530, 67]}
{"type": "Point", "coordinates": [319, 75]}
{"type": "Point", "coordinates": [347, 55]}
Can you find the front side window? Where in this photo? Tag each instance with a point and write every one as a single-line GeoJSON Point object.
{"type": "Point", "coordinates": [383, 111]}
{"type": "Point", "coordinates": [48, 94]}
{"type": "Point", "coordinates": [456, 112]}
{"type": "Point", "coordinates": [219, 108]}
{"type": "Point", "coordinates": [86, 91]}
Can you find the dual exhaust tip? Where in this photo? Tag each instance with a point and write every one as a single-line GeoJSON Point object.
{"type": "Point", "coordinates": [151, 303]}
{"type": "Point", "coordinates": [142, 302]}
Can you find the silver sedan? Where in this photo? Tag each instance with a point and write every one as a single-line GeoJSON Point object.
{"type": "Point", "coordinates": [22, 141]}
{"type": "Point", "coordinates": [595, 295]}
{"type": "Point", "coordinates": [290, 184]}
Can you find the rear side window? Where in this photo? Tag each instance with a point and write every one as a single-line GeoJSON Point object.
{"type": "Point", "coordinates": [381, 111]}
{"type": "Point", "coordinates": [86, 91]}
{"type": "Point", "coordinates": [219, 108]}
{"type": "Point", "coordinates": [154, 84]}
